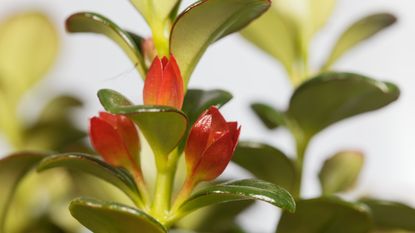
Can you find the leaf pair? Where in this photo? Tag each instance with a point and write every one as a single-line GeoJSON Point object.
{"type": "Point", "coordinates": [207, 21]}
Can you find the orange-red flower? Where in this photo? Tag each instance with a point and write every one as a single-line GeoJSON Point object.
{"type": "Point", "coordinates": [116, 139]}
{"type": "Point", "coordinates": [164, 83]}
{"type": "Point", "coordinates": [210, 146]}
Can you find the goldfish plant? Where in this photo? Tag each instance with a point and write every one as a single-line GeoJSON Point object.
{"type": "Point", "coordinates": [320, 99]}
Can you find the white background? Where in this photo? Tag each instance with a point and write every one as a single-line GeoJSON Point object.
{"type": "Point", "coordinates": [88, 63]}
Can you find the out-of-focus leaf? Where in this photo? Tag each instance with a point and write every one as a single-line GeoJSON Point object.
{"type": "Point", "coordinates": [359, 31]}
{"type": "Point", "coordinates": [88, 164]}
{"type": "Point", "coordinates": [217, 218]}
{"type": "Point", "coordinates": [12, 169]}
{"type": "Point", "coordinates": [341, 171]}
{"type": "Point", "coordinates": [162, 126]}
{"type": "Point", "coordinates": [389, 216]}
{"type": "Point", "coordinates": [332, 97]}
{"type": "Point", "coordinates": [54, 129]}
{"type": "Point", "coordinates": [108, 217]}
{"type": "Point", "coordinates": [156, 9]}
{"type": "Point", "coordinates": [321, 11]}
{"type": "Point", "coordinates": [271, 117]}
{"type": "Point", "coordinates": [95, 23]}
{"type": "Point", "coordinates": [274, 36]}
{"type": "Point", "coordinates": [266, 163]}
{"type": "Point", "coordinates": [328, 215]}
{"type": "Point", "coordinates": [209, 21]}
{"type": "Point", "coordinates": [250, 189]}
{"type": "Point", "coordinates": [29, 46]}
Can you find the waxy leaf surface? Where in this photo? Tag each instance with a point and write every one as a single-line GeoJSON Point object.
{"type": "Point", "coordinates": [266, 163]}
{"type": "Point", "coordinates": [95, 23]}
{"type": "Point", "coordinates": [271, 117]}
{"type": "Point", "coordinates": [358, 32]}
{"type": "Point", "coordinates": [389, 215]}
{"type": "Point", "coordinates": [151, 8]}
{"type": "Point", "coordinates": [332, 97]}
{"type": "Point", "coordinates": [108, 217]}
{"type": "Point", "coordinates": [13, 168]}
{"type": "Point", "coordinates": [91, 165]}
{"type": "Point", "coordinates": [250, 189]}
{"type": "Point", "coordinates": [204, 23]}
{"type": "Point", "coordinates": [163, 127]}
{"type": "Point", "coordinates": [328, 215]}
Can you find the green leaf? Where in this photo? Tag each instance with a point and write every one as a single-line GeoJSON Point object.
{"type": "Point", "coordinates": [358, 32]}
{"type": "Point", "coordinates": [196, 101]}
{"type": "Point", "coordinates": [250, 189]}
{"type": "Point", "coordinates": [83, 163]}
{"type": "Point", "coordinates": [13, 168]}
{"type": "Point", "coordinates": [271, 117]}
{"type": "Point", "coordinates": [108, 217]}
{"type": "Point", "coordinates": [274, 36]}
{"type": "Point", "coordinates": [29, 46]}
{"type": "Point", "coordinates": [163, 127]}
{"type": "Point", "coordinates": [216, 218]}
{"type": "Point", "coordinates": [328, 215]}
{"type": "Point", "coordinates": [95, 23]}
{"type": "Point", "coordinates": [389, 215]}
{"type": "Point", "coordinates": [156, 10]}
{"type": "Point", "coordinates": [209, 21]}
{"type": "Point", "coordinates": [266, 163]}
{"type": "Point", "coordinates": [321, 10]}
{"type": "Point", "coordinates": [332, 97]}
{"type": "Point", "coordinates": [341, 171]}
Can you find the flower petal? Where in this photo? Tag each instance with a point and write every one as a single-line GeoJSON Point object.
{"type": "Point", "coordinates": [153, 82]}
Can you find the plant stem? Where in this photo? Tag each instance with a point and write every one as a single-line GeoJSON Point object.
{"type": "Point", "coordinates": [301, 145]}
{"type": "Point", "coordinates": [161, 38]}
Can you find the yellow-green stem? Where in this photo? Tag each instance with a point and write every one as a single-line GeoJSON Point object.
{"type": "Point", "coordinates": [160, 33]}
{"type": "Point", "coordinates": [301, 145]}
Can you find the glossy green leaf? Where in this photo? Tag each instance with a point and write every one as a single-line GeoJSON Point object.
{"type": "Point", "coordinates": [12, 170]}
{"type": "Point", "coordinates": [271, 117]}
{"type": "Point", "coordinates": [196, 101]}
{"type": "Point", "coordinates": [91, 165]}
{"type": "Point", "coordinates": [209, 21]}
{"type": "Point", "coordinates": [341, 171]}
{"type": "Point", "coordinates": [332, 97]}
{"type": "Point", "coordinates": [274, 36]}
{"type": "Point", "coordinates": [389, 215]}
{"type": "Point", "coordinates": [109, 217]}
{"type": "Point", "coordinates": [360, 31]}
{"type": "Point", "coordinates": [156, 10]}
{"type": "Point", "coordinates": [266, 163]}
{"type": "Point", "coordinates": [328, 215]}
{"type": "Point", "coordinates": [29, 46]}
{"type": "Point", "coordinates": [250, 189]}
{"type": "Point", "coordinates": [95, 23]}
{"type": "Point", "coordinates": [162, 126]}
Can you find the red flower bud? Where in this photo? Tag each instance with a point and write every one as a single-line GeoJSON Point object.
{"type": "Point", "coordinates": [116, 139]}
{"type": "Point", "coordinates": [210, 145]}
{"type": "Point", "coordinates": [164, 83]}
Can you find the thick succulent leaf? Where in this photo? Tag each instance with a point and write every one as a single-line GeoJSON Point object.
{"type": "Point", "coordinates": [266, 163]}
{"type": "Point", "coordinates": [108, 217]}
{"type": "Point", "coordinates": [250, 189]}
{"type": "Point", "coordinates": [209, 21]}
{"type": "Point", "coordinates": [274, 36]}
{"type": "Point", "coordinates": [12, 170]}
{"type": "Point", "coordinates": [29, 45]}
{"type": "Point", "coordinates": [332, 97]}
{"type": "Point", "coordinates": [271, 117]}
{"type": "Point", "coordinates": [389, 215]}
{"type": "Point", "coordinates": [95, 23]}
{"type": "Point", "coordinates": [196, 101]}
{"type": "Point", "coordinates": [161, 10]}
{"type": "Point", "coordinates": [340, 172]}
{"type": "Point", "coordinates": [360, 31]}
{"type": "Point", "coordinates": [328, 215]}
{"type": "Point", "coordinates": [163, 127]}
{"type": "Point", "coordinates": [216, 218]}
{"type": "Point", "coordinates": [84, 163]}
